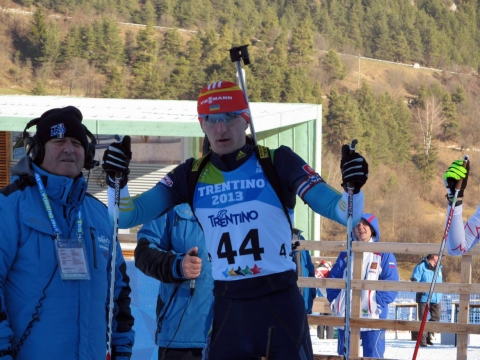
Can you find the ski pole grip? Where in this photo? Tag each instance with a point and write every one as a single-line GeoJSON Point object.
{"type": "Point", "coordinates": [240, 52]}
{"type": "Point", "coordinates": [352, 148]}
{"type": "Point", "coordinates": [458, 185]}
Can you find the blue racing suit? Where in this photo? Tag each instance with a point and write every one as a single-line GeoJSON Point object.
{"type": "Point", "coordinates": [162, 244]}
{"type": "Point", "coordinates": [249, 241]}
{"type": "Point", "coordinates": [71, 314]}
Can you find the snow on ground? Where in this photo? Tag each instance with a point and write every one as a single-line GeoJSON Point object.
{"type": "Point", "coordinates": [403, 347]}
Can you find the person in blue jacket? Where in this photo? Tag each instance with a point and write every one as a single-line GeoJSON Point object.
{"type": "Point", "coordinates": [164, 251]}
{"type": "Point", "coordinates": [246, 219]}
{"type": "Point", "coordinates": [56, 250]}
{"type": "Point", "coordinates": [424, 272]}
{"type": "Point", "coordinates": [305, 268]}
{"type": "Point", "coordinates": [376, 266]}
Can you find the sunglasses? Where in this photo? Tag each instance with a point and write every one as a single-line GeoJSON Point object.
{"type": "Point", "coordinates": [228, 118]}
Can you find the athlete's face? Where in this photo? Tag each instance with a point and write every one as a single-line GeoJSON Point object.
{"type": "Point", "coordinates": [363, 231]}
{"type": "Point", "coordinates": [63, 157]}
{"type": "Point", "coordinates": [226, 137]}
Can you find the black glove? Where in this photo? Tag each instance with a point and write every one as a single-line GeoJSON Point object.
{"type": "Point", "coordinates": [116, 158]}
{"type": "Point", "coordinates": [455, 172]}
{"type": "Point", "coordinates": [354, 169]}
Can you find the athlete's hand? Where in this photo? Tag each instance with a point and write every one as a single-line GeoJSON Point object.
{"type": "Point", "coordinates": [116, 159]}
{"type": "Point", "coordinates": [455, 172]}
{"type": "Point", "coordinates": [191, 264]}
{"type": "Point", "coordinates": [354, 169]}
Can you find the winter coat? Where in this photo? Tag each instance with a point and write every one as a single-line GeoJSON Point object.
{"type": "Point", "coordinates": [423, 272]}
{"type": "Point", "coordinates": [376, 266]}
{"type": "Point", "coordinates": [162, 244]}
{"type": "Point", "coordinates": [71, 314]}
{"type": "Point", "coordinates": [306, 270]}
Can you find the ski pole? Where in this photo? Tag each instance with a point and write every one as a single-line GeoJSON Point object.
{"type": "Point", "coordinates": [350, 186]}
{"type": "Point", "coordinates": [271, 333]}
{"type": "Point", "coordinates": [437, 266]}
{"type": "Point", "coordinates": [236, 54]}
{"type": "Point", "coordinates": [116, 211]}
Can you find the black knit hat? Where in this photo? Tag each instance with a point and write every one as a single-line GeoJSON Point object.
{"type": "Point", "coordinates": [60, 123]}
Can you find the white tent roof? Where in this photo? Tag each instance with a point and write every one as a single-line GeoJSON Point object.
{"type": "Point", "coordinates": [144, 117]}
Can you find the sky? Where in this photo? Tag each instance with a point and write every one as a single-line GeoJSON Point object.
{"type": "Point", "coordinates": [403, 347]}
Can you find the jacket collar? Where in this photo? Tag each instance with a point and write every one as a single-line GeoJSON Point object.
{"type": "Point", "coordinates": [61, 189]}
{"type": "Point", "coordinates": [233, 160]}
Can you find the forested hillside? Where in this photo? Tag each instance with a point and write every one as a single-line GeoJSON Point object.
{"type": "Point", "coordinates": [301, 51]}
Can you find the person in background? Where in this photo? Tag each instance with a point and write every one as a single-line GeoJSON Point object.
{"type": "Point", "coordinates": [376, 266]}
{"type": "Point", "coordinates": [323, 271]}
{"type": "Point", "coordinates": [305, 268]}
{"type": "Point", "coordinates": [166, 251]}
{"type": "Point", "coordinates": [246, 219]}
{"type": "Point", "coordinates": [56, 251]}
{"type": "Point", "coordinates": [424, 272]}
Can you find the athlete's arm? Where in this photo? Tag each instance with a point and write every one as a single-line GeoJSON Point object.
{"type": "Point", "coordinates": [170, 191]}
{"type": "Point", "coordinates": [298, 176]}
{"type": "Point", "coordinates": [462, 238]}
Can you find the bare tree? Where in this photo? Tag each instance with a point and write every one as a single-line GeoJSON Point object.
{"type": "Point", "coordinates": [74, 69]}
{"type": "Point", "coordinates": [429, 117]}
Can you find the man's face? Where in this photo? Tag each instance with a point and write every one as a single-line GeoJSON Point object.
{"type": "Point", "coordinates": [434, 260]}
{"type": "Point", "coordinates": [64, 157]}
{"type": "Point", "coordinates": [225, 136]}
{"type": "Point", "coordinates": [363, 231]}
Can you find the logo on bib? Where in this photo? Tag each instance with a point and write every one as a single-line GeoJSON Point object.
{"type": "Point", "coordinates": [223, 219]}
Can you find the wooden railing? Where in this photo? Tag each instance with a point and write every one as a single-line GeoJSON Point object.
{"type": "Point", "coordinates": [464, 288]}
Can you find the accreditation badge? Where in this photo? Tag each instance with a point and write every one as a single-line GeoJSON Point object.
{"type": "Point", "coordinates": [72, 258]}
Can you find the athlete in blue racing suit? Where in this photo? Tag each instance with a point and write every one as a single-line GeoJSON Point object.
{"type": "Point", "coordinates": [247, 232]}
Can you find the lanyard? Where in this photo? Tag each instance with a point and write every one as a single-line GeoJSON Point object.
{"type": "Point", "coordinates": [51, 217]}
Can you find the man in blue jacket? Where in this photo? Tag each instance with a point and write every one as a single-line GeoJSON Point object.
{"type": "Point", "coordinates": [164, 252]}
{"type": "Point", "coordinates": [305, 268]}
{"type": "Point", "coordinates": [376, 266]}
{"type": "Point", "coordinates": [56, 250]}
{"type": "Point", "coordinates": [424, 272]}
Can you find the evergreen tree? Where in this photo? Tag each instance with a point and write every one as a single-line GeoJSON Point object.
{"type": "Point", "coordinates": [114, 87]}
{"type": "Point", "coordinates": [110, 45]}
{"type": "Point", "coordinates": [147, 82]}
{"type": "Point", "coordinates": [401, 49]}
{"type": "Point", "coordinates": [172, 46]}
{"type": "Point", "coordinates": [89, 42]}
{"type": "Point", "coordinates": [148, 14]}
{"type": "Point", "coordinates": [301, 47]}
{"type": "Point", "coordinates": [71, 46]}
{"type": "Point", "coordinates": [129, 47]}
{"type": "Point", "coordinates": [39, 88]}
{"type": "Point", "coordinates": [43, 38]}
{"type": "Point", "coordinates": [355, 15]}
{"type": "Point", "coordinates": [333, 66]}
{"type": "Point", "coordinates": [459, 96]}
{"type": "Point", "coordinates": [450, 126]}
{"type": "Point", "coordinates": [342, 118]}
